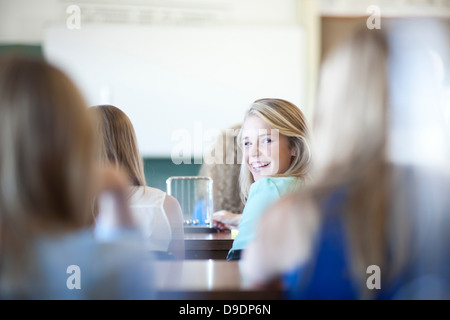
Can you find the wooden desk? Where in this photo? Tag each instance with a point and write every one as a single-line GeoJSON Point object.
{"type": "Point", "coordinates": [207, 245]}
{"type": "Point", "coordinates": [205, 280]}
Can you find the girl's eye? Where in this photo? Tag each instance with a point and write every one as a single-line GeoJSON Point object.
{"type": "Point", "coordinates": [267, 140]}
{"type": "Point", "coordinates": [246, 143]}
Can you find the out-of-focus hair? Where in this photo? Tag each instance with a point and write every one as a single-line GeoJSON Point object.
{"type": "Point", "coordinates": [118, 143]}
{"type": "Point", "coordinates": [225, 171]}
{"type": "Point", "coordinates": [46, 151]}
{"type": "Point", "coordinates": [350, 139]}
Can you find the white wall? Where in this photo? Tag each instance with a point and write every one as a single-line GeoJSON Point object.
{"type": "Point", "coordinates": [24, 21]}
{"type": "Point", "coordinates": [176, 65]}
{"type": "Point", "coordinates": [173, 80]}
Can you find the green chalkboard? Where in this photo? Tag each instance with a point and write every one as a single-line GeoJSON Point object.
{"type": "Point", "coordinates": [21, 49]}
{"type": "Point", "coordinates": [157, 170]}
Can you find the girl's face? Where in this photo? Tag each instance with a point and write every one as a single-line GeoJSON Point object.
{"type": "Point", "coordinates": [266, 151]}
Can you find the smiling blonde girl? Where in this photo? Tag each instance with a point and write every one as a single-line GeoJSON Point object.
{"type": "Point", "coordinates": [276, 160]}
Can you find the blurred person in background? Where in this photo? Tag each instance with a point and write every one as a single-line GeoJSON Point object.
{"type": "Point", "coordinates": [224, 171]}
{"type": "Point", "coordinates": [49, 180]}
{"type": "Point", "coordinates": [156, 214]}
{"type": "Point", "coordinates": [374, 222]}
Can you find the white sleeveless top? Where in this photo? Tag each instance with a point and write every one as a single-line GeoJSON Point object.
{"type": "Point", "coordinates": [146, 204]}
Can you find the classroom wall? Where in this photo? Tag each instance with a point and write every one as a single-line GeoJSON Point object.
{"type": "Point", "coordinates": [24, 26]}
{"type": "Point", "coordinates": [157, 170]}
{"type": "Point", "coordinates": [181, 85]}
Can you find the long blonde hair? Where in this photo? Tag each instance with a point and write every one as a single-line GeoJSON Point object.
{"type": "Point", "coordinates": [118, 143]}
{"type": "Point", "coordinates": [350, 132]}
{"type": "Point", "coordinates": [286, 117]}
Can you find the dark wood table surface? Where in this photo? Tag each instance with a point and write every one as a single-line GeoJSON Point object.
{"type": "Point", "coordinates": [207, 245]}
{"type": "Point", "coordinates": [206, 279]}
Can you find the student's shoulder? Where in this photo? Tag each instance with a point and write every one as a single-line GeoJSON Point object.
{"type": "Point", "coordinates": [145, 195]}
{"type": "Point", "coordinates": [152, 190]}
{"type": "Point", "coordinates": [280, 183]}
{"type": "Point", "coordinates": [171, 203]}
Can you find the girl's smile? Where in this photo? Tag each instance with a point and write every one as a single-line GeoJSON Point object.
{"type": "Point", "coordinates": [266, 151]}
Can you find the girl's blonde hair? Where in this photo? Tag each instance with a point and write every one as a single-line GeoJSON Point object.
{"type": "Point", "coordinates": [289, 120]}
{"type": "Point", "coordinates": [118, 143]}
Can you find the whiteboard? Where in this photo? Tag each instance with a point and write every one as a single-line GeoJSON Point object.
{"type": "Point", "coordinates": [181, 85]}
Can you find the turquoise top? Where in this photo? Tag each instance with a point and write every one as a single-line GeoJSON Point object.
{"type": "Point", "coordinates": [261, 195]}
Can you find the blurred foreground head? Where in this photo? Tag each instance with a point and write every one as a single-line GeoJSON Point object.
{"type": "Point", "coordinates": [380, 131]}
{"type": "Point", "coordinates": [46, 150]}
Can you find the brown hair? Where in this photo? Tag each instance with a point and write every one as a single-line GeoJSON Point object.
{"type": "Point", "coordinates": [225, 173]}
{"type": "Point", "coordinates": [46, 150]}
{"type": "Point", "coordinates": [118, 143]}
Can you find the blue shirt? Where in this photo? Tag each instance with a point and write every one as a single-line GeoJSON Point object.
{"type": "Point", "coordinates": [78, 267]}
{"type": "Point", "coordinates": [327, 276]}
{"type": "Point", "coordinates": [261, 195]}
